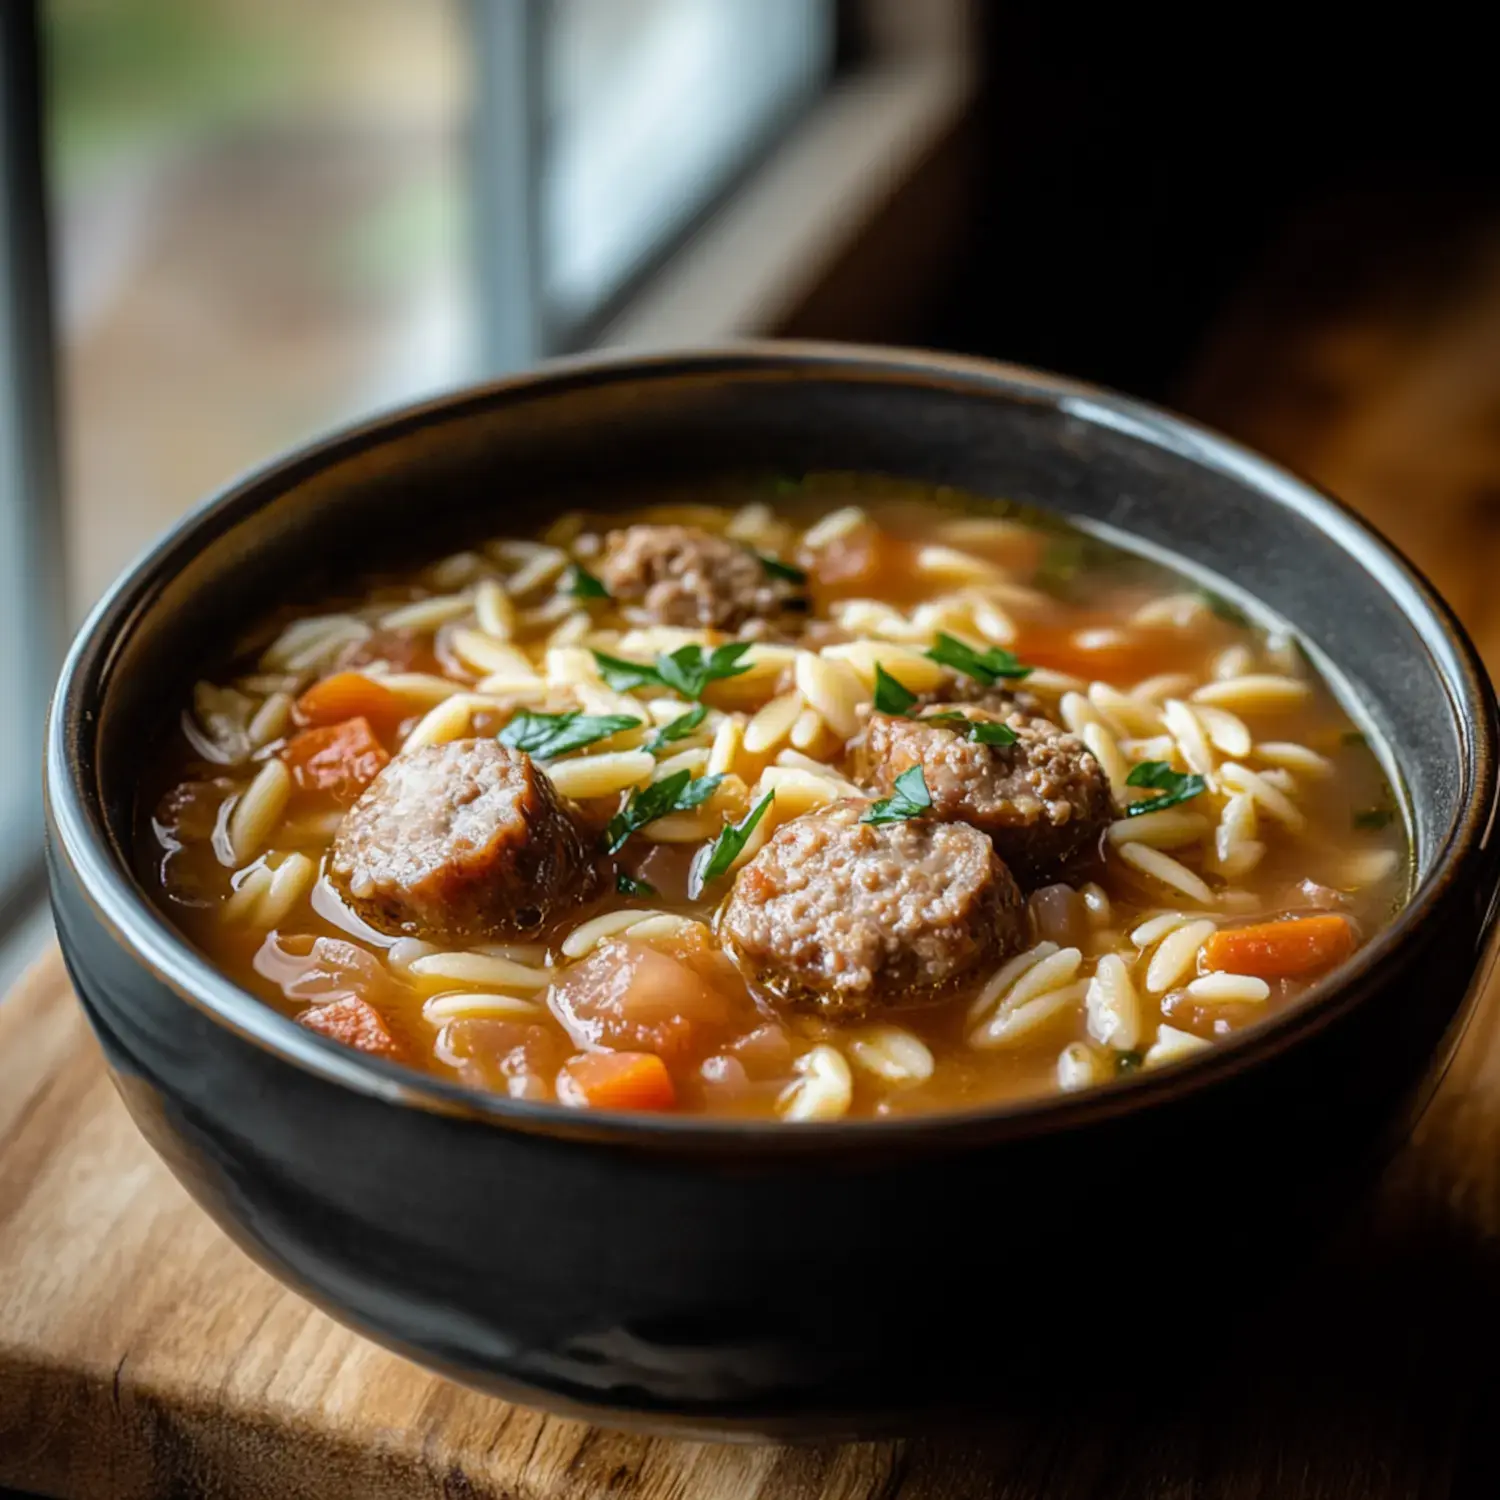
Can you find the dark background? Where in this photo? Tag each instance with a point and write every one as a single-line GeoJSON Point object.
{"type": "Point", "coordinates": [1136, 176]}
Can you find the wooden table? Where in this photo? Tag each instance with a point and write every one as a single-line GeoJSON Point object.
{"type": "Point", "coordinates": [142, 1354]}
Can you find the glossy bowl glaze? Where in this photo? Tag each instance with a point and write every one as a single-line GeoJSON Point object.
{"type": "Point", "coordinates": [744, 1279]}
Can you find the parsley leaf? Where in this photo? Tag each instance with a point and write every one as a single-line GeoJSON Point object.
{"type": "Point", "coordinates": [910, 799]}
{"type": "Point", "coordinates": [688, 670]}
{"type": "Point", "coordinates": [981, 731]}
{"type": "Point", "coordinates": [726, 848]}
{"type": "Point", "coordinates": [1128, 1062]}
{"type": "Point", "coordinates": [1175, 786]}
{"type": "Point", "coordinates": [1353, 737]}
{"type": "Point", "coordinates": [582, 584]}
{"type": "Point", "coordinates": [546, 736]}
{"type": "Point", "coordinates": [987, 667]}
{"type": "Point", "coordinates": [675, 793]}
{"type": "Point", "coordinates": [1371, 819]}
{"type": "Point", "coordinates": [987, 732]}
{"type": "Point", "coordinates": [680, 727]}
{"type": "Point", "coordinates": [890, 696]}
{"type": "Point", "coordinates": [1225, 609]}
{"type": "Point", "coordinates": [783, 570]}
{"type": "Point", "coordinates": [623, 675]}
{"type": "Point", "coordinates": [628, 885]}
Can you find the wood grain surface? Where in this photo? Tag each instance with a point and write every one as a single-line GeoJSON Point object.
{"type": "Point", "coordinates": [142, 1355]}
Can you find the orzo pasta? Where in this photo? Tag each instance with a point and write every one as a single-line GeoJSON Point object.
{"type": "Point", "coordinates": [798, 800]}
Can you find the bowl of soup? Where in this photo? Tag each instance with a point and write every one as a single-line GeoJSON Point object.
{"type": "Point", "coordinates": [759, 893]}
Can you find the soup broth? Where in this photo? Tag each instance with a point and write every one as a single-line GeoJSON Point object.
{"type": "Point", "coordinates": [796, 800]}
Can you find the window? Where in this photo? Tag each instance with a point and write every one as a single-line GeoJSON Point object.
{"type": "Point", "coordinates": [28, 587]}
{"type": "Point", "coordinates": [604, 130]}
{"type": "Point", "coordinates": [260, 221]}
{"type": "Point", "coordinates": [270, 217]}
{"type": "Point", "coordinates": [649, 109]}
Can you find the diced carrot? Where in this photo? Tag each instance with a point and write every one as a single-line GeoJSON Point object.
{"type": "Point", "coordinates": [339, 759]}
{"type": "Point", "coordinates": [354, 1022]}
{"type": "Point", "coordinates": [349, 695]}
{"type": "Point", "coordinates": [616, 1080]}
{"type": "Point", "coordinates": [1291, 949]}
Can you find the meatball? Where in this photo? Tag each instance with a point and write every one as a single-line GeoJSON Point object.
{"type": "Point", "coordinates": [1043, 800]}
{"type": "Point", "coordinates": [683, 576]}
{"type": "Point", "coordinates": [960, 689]}
{"type": "Point", "coordinates": [459, 843]}
{"type": "Point", "coordinates": [843, 918]}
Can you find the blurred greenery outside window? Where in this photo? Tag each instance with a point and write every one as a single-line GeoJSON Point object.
{"type": "Point", "coordinates": [274, 216]}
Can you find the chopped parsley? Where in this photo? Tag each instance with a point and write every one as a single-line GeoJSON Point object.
{"type": "Point", "coordinates": [910, 799]}
{"type": "Point", "coordinates": [582, 584]}
{"type": "Point", "coordinates": [988, 667]}
{"type": "Point", "coordinates": [783, 570]}
{"type": "Point", "coordinates": [680, 727]}
{"type": "Point", "coordinates": [981, 731]}
{"type": "Point", "coordinates": [1371, 819]}
{"type": "Point", "coordinates": [546, 736]}
{"type": "Point", "coordinates": [1354, 737]}
{"type": "Point", "coordinates": [726, 848]}
{"type": "Point", "coordinates": [1175, 786]}
{"type": "Point", "coordinates": [675, 793]}
{"type": "Point", "coordinates": [687, 670]}
{"type": "Point", "coordinates": [628, 885]}
{"type": "Point", "coordinates": [1128, 1062]}
{"type": "Point", "coordinates": [890, 696]}
{"type": "Point", "coordinates": [1229, 612]}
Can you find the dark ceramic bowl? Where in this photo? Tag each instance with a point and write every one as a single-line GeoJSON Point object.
{"type": "Point", "coordinates": [751, 1279]}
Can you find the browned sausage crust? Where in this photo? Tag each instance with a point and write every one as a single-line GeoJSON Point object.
{"type": "Point", "coordinates": [1043, 800]}
{"type": "Point", "coordinates": [459, 843]}
{"type": "Point", "coordinates": [843, 918]}
{"type": "Point", "coordinates": [959, 689]}
{"type": "Point", "coordinates": [680, 575]}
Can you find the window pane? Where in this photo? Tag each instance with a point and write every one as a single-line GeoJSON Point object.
{"type": "Point", "coordinates": [27, 587]}
{"type": "Point", "coordinates": [19, 731]}
{"type": "Point", "coordinates": [651, 107]}
{"type": "Point", "coordinates": [261, 234]}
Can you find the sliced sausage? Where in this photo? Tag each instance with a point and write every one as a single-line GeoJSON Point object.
{"type": "Point", "coordinates": [458, 843]}
{"type": "Point", "coordinates": [957, 688]}
{"type": "Point", "coordinates": [680, 575]}
{"type": "Point", "coordinates": [1044, 800]}
{"type": "Point", "coordinates": [842, 918]}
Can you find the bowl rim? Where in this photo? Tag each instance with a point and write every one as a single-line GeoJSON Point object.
{"type": "Point", "coordinates": [77, 832]}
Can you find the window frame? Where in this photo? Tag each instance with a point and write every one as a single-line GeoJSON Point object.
{"type": "Point", "coordinates": [509, 40]}
{"type": "Point", "coordinates": [28, 430]}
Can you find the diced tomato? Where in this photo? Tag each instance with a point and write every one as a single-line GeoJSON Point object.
{"type": "Point", "coordinates": [349, 695]}
{"type": "Point", "coordinates": [630, 997]}
{"type": "Point", "coordinates": [616, 1080]}
{"type": "Point", "coordinates": [355, 1023]}
{"type": "Point", "coordinates": [399, 650]}
{"type": "Point", "coordinates": [339, 759]}
{"type": "Point", "coordinates": [508, 1057]}
{"type": "Point", "coordinates": [321, 970]}
{"type": "Point", "coordinates": [1105, 651]}
{"type": "Point", "coordinates": [1293, 949]}
{"type": "Point", "coordinates": [765, 1052]}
